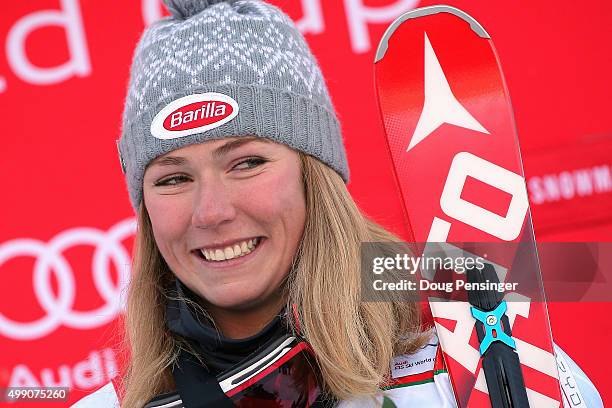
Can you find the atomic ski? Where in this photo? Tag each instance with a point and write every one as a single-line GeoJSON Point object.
{"type": "Point", "coordinates": [452, 140]}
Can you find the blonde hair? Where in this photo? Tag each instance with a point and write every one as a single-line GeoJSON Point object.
{"type": "Point", "coordinates": [354, 341]}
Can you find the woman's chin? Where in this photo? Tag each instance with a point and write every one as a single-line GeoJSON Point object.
{"type": "Point", "coordinates": [235, 299]}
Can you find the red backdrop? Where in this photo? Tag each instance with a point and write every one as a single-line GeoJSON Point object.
{"type": "Point", "coordinates": [66, 226]}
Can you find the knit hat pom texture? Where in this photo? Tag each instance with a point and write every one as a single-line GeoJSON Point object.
{"type": "Point", "coordinates": [187, 8]}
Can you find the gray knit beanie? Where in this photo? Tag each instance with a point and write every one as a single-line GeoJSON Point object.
{"type": "Point", "coordinates": [217, 69]}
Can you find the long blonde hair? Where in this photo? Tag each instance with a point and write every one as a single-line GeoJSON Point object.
{"type": "Point", "coordinates": [354, 341]}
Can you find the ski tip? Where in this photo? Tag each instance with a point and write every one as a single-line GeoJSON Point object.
{"type": "Point", "coordinates": [425, 11]}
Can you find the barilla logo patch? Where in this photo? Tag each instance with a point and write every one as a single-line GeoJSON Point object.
{"type": "Point", "coordinates": [193, 114]}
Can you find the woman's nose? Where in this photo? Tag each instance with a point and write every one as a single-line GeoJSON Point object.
{"type": "Point", "coordinates": [213, 205]}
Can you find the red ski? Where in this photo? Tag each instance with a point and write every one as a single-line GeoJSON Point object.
{"type": "Point", "coordinates": [451, 134]}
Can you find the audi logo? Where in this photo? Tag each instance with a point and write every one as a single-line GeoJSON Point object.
{"type": "Point", "coordinates": [49, 260]}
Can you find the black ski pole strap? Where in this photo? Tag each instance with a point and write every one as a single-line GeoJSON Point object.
{"type": "Point", "coordinates": [198, 388]}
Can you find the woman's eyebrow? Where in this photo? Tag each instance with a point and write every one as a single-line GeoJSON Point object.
{"type": "Point", "coordinates": [170, 161]}
{"type": "Point", "coordinates": [234, 144]}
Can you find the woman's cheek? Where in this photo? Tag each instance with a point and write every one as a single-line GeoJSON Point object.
{"type": "Point", "coordinates": [162, 207]}
{"type": "Point", "coordinates": [170, 220]}
{"type": "Point", "coordinates": [283, 182]}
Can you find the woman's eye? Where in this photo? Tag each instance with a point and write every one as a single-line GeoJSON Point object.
{"type": "Point", "coordinates": [250, 163]}
{"type": "Point", "coordinates": [172, 181]}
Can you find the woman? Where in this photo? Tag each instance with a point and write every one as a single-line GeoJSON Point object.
{"type": "Point", "coordinates": [302, 233]}
{"type": "Point", "coordinates": [247, 236]}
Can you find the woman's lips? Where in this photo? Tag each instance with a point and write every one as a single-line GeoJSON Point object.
{"type": "Point", "coordinates": [228, 263]}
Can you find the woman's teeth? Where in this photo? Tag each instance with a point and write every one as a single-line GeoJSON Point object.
{"type": "Point", "coordinates": [235, 251]}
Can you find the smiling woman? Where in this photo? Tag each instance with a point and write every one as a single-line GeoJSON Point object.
{"type": "Point", "coordinates": [227, 218]}
{"type": "Point", "coordinates": [302, 233]}
{"type": "Point", "coordinates": [246, 286]}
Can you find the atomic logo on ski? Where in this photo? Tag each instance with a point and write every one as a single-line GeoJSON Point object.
{"type": "Point", "coordinates": [440, 105]}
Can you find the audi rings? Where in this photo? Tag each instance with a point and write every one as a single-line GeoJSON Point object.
{"type": "Point", "coordinates": [49, 259]}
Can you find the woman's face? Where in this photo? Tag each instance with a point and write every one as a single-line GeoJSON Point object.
{"type": "Point", "coordinates": [228, 216]}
